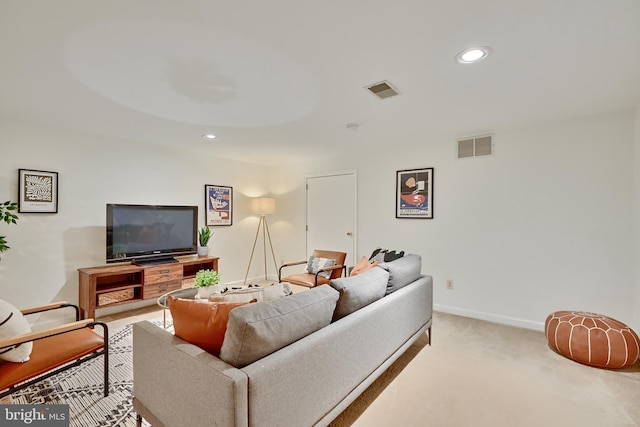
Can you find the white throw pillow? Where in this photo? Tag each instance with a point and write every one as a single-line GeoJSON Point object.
{"type": "Point", "coordinates": [13, 323]}
{"type": "Point", "coordinates": [314, 264]}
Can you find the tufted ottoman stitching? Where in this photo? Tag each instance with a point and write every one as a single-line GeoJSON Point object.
{"type": "Point", "coordinates": [592, 339]}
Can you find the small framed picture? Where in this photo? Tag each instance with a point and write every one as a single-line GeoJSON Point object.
{"type": "Point", "coordinates": [38, 191]}
{"type": "Point", "coordinates": [414, 193]}
{"type": "Point", "coordinates": [218, 203]}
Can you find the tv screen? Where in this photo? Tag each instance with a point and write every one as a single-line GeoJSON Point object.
{"type": "Point", "coordinates": [149, 234]}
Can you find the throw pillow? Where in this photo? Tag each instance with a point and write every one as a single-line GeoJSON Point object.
{"type": "Point", "coordinates": [362, 266]}
{"type": "Point", "coordinates": [385, 255]}
{"type": "Point", "coordinates": [201, 323]}
{"type": "Point", "coordinates": [260, 329]}
{"type": "Point", "coordinates": [359, 291]}
{"type": "Point", "coordinates": [402, 271]}
{"type": "Point", "coordinates": [13, 323]}
{"type": "Point", "coordinates": [315, 264]}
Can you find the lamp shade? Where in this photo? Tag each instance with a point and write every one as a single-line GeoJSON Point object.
{"type": "Point", "coordinates": [263, 205]}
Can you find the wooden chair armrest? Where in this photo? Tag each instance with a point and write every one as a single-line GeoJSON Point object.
{"type": "Point", "coordinates": [39, 308]}
{"type": "Point", "coordinates": [289, 264]}
{"type": "Point", "coordinates": [52, 306]}
{"type": "Point", "coordinates": [56, 330]}
{"type": "Point", "coordinates": [331, 267]}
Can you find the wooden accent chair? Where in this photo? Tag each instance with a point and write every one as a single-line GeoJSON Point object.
{"type": "Point", "coordinates": [55, 349]}
{"type": "Point", "coordinates": [310, 279]}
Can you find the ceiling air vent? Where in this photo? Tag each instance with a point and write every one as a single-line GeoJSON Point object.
{"type": "Point", "coordinates": [383, 89]}
{"type": "Point", "coordinates": [475, 147]}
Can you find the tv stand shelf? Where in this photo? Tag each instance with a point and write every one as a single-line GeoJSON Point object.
{"type": "Point", "coordinates": [110, 285]}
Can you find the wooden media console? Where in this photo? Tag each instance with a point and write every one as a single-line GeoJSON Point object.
{"type": "Point", "coordinates": [110, 285]}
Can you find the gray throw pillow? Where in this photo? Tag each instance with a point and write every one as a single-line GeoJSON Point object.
{"type": "Point", "coordinates": [268, 326]}
{"type": "Point", "coordinates": [402, 271]}
{"type": "Point", "coordinates": [359, 291]}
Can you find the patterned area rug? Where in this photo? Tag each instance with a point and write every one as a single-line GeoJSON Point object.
{"type": "Point", "coordinates": [82, 387]}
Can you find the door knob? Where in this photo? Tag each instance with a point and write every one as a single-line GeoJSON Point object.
{"type": "Point", "coordinates": [350, 234]}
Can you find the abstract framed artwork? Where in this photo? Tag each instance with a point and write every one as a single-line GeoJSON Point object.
{"type": "Point", "coordinates": [38, 191]}
{"type": "Point", "coordinates": [414, 193]}
{"type": "Point", "coordinates": [218, 202]}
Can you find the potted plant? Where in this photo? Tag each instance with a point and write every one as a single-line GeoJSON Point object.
{"type": "Point", "coordinates": [207, 282]}
{"type": "Point", "coordinates": [204, 234]}
{"type": "Point", "coordinates": [9, 217]}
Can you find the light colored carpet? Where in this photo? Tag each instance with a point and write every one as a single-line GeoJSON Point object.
{"type": "Point", "coordinates": [477, 373]}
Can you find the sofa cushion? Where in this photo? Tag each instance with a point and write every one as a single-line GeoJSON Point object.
{"type": "Point", "coordinates": [359, 291]}
{"type": "Point", "coordinates": [315, 264]}
{"type": "Point", "coordinates": [201, 323]}
{"type": "Point", "coordinates": [13, 323]}
{"type": "Point", "coordinates": [363, 265]}
{"type": "Point", "coordinates": [260, 329]}
{"type": "Point", "coordinates": [402, 271]}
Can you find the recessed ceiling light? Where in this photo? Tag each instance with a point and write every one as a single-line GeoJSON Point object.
{"type": "Point", "coordinates": [474, 54]}
{"type": "Point", "coordinates": [209, 136]}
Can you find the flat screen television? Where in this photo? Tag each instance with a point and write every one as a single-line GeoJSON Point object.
{"type": "Point", "coordinates": [150, 234]}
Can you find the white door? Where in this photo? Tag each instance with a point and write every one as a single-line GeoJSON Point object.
{"type": "Point", "coordinates": [331, 213]}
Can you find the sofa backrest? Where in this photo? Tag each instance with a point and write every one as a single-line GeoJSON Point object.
{"type": "Point", "coordinates": [256, 330]}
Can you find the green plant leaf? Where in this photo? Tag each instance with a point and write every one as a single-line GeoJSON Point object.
{"type": "Point", "coordinates": [9, 218]}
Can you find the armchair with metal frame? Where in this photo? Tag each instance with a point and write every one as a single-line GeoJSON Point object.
{"type": "Point", "coordinates": [55, 350]}
{"type": "Point", "coordinates": [311, 280]}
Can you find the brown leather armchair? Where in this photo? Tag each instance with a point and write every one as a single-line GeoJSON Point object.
{"type": "Point", "coordinates": [311, 280]}
{"type": "Point", "coordinates": [55, 349]}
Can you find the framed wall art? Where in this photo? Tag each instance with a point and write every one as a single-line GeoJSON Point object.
{"type": "Point", "coordinates": [38, 191]}
{"type": "Point", "coordinates": [414, 193]}
{"type": "Point", "coordinates": [218, 202]}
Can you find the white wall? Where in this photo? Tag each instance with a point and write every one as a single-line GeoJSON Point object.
{"type": "Point", "coordinates": [544, 225]}
{"type": "Point", "coordinates": [636, 220]}
{"type": "Point", "coordinates": [47, 249]}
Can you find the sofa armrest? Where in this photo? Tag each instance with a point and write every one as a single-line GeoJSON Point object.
{"type": "Point", "coordinates": [182, 385]}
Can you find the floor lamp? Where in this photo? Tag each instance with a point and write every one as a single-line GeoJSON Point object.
{"type": "Point", "coordinates": [262, 206]}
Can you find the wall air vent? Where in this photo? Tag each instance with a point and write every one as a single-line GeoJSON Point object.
{"type": "Point", "coordinates": [475, 147]}
{"type": "Point", "coordinates": [383, 89]}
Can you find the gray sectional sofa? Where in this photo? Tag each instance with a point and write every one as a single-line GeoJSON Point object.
{"type": "Point", "coordinates": [295, 361]}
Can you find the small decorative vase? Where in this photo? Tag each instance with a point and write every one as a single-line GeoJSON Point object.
{"type": "Point", "coordinates": [205, 291]}
{"type": "Point", "coordinates": [203, 250]}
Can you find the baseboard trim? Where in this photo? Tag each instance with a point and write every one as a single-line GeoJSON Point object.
{"type": "Point", "coordinates": [489, 317]}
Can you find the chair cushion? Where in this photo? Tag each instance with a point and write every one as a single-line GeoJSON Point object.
{"type": "Point", "coordinates": [305, 279]}
{"type": "Point", "coordinates": [257, 330]}
{"type": "Point", "coordinates": [13, 323]}
{"type": "Point", "coordinates": [201, 323]}
{"type": "Point", "coordinates": [315, 264]}
{"type": "Point", "coordinates": [402, 271]}
{"type": "Point", "coordinates": [49, 353]}
{"type": "Point", "coordinates": [359, 291]}
{"type": "Point", "coordinates": [363, 265]}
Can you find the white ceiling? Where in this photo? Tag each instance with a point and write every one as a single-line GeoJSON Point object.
{"type": "Point", "coordinates": [279, 80]}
